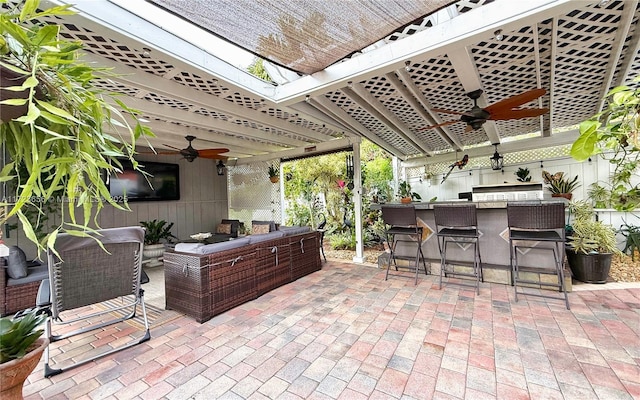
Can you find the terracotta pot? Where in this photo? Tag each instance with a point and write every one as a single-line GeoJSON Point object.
{"type": "Point", "coordinates": [405, 200]}
{"type": "Point", "coordinates": [274, 179]}
{"type": "Point", "coordinates": [15, 372]}
{"type": "Point", "coordinates": [567, 196]}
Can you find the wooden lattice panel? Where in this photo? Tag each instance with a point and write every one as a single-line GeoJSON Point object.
{"type": "Point", "coordinates": [386, 93]}
{"type": "Point", "coordinates": [371, 123]}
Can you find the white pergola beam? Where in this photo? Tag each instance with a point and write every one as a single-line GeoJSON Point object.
{"type": "Point", "coordinates": [319, 148]}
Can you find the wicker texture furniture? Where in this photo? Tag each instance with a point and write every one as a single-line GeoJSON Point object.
{"type": "Point", "coordinates": [540, 227]}
{"type": "Point", "coordinates": [205, 285]}
{"type": "Point", "coordinates": [402, 221]}
{"type": "Point", "coordinates": [18, 296]}
{"type": "Point", "coordinates": [458, 224]}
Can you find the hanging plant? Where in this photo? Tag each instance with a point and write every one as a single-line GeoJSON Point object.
{"type": "Point", "coordinates": [615, 135]}
{"type": "Point", "coordinates": [57, 125]}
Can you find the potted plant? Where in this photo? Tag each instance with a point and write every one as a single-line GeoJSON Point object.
{"type": "Point", "coordinates": [631, 234]}
{"type": "Point", "coordinates": [49, 107]}
{"type": "Point", "coordinates": [523, 175]}
{"type": "Point", "coordinates": [613, 134]}
{"type": "Point", "coordinates": [21, 347]}
{"type": "Point", "coordinates": [599, 195]}
{"type": "Point", "coordinates": [559, 186]}
{"type": "Point", "coordinates": [590, 246]}
{"type": "Point", "coordinates": [274, 174]}
{"type": "Point", "coordinates": [405, 193]}
{"type": "Point", "coordinates": [155, 232]}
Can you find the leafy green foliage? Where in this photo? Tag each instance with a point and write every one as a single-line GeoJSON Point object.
{"type": "Point", "coordinates": [523, 175]}
{"type": "Point", "coordinates": [614, 134]}
{"type": "Point", "coordinates": [632, 242]}
{"type": "Point", "coordinates": [589, 235]}
{"type": "Point", "coordinates": [156, 231]}
{"type": "Point", "coordinates": [70, 136]}
{"type": "Point", "coordinates": [16, 336]}
{"type": "Point", "coordinates": [558, 183]}
{"type": "Point", "coordinates": [257, 69]}
{"type": "Point", "coordinates": [404, 191]}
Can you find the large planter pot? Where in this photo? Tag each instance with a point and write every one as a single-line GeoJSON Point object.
{"type": "Point", "coordinates": [567, 196]}
{"type": "Point", "coordinates": [589, 268]}
{"type": "Point", "coordinates": [153, 252]}
{"type": "Point", "coordinates": [14, 373]}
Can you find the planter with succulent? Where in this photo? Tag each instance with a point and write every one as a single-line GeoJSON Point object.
{"type": "Point", "coordinates": [274, 174]}
{"type": "Point", "coordinates": [155, 232]}
{"type": "Point", "coordinates": [405, 193]}
{"type": "Point", "coordinates": [559, 186]}
{"type": "Point", "coordinates": [590, 246]}
{"type": "Point", "coordinates": [523, 175]}
{"type": "Point", "coordinates": [20, 351]}
{"type": "Point", "coordinates": [56, 124]}
{"type": "Point", "coordinates": [613, 134]}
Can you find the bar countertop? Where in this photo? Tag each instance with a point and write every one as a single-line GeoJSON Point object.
{"type": "Point", "coordinates": [428, 205]}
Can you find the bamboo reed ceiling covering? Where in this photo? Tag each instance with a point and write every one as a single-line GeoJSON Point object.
{"type": "Point", "coordinates": [305, 36]}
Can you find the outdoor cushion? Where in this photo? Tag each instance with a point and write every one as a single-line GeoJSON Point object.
{"type": "Point", "coordinates": [187, 247]}
{"type": "Point", "coordinates": [224, 228]}
{"type": "Point", "coordinates": [265, 236]}
{"type": "Point", "coordinates": [16, 263]}
{"type": "Point", "coordinates": [259, 229]}
{"type": "Point", "coordinates": [36, 274]}
{"type": "Point", "coordinates": [221, 246]}
{"type": "Point", "coordinates": [294, 230]}
{"type": "Point", "coordinates": [235, 226]}
{"type": "Point", "coordinates": [272, 224]}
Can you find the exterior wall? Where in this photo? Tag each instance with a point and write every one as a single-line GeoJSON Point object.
{"type": "Point", "coordinates": [202, 204]}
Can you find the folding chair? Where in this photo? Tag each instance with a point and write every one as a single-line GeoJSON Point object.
{"type": "Point", "coordinates": [83, 273]}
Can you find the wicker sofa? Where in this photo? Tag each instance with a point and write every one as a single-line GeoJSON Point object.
{"type": "Point", "coordinates": [20, 293]}
{"type": "Point", "coordinates": [206, 280]}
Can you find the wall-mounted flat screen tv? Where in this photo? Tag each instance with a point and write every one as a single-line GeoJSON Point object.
{"type": "Point", "coordinates": [162, 183]}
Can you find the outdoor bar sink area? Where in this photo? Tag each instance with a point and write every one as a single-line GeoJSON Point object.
{"type": "Point", "coordinates": [494, 236]}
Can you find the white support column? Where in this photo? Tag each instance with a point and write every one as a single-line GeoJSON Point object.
{"type": "Point", "coordinates": [357, 203]}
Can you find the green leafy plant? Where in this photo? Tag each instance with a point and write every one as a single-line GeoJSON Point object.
{"type": "Point", "coordinates": [590, 236]}
{"type": "Point", "coordinates": [156, 231]}
{"type": "Point", "coordinates": [273, 171]}
{"type": "Point", "coordinates": [17, 335]}
{"type": "Point", "coordinates": [600, 195]}
{"type": "Point", "coordinates": [613, 134]}
{"type": "Point", "coordinates": [57, 125]}
{"type": "Point", "coordinates": [559, 184]}
{"type": "Point", "coordinates": [523, 175]}
{"type": "Point", "coordinates": [404, 191]}
{"type": "Point", "coordinates": [632, 242]}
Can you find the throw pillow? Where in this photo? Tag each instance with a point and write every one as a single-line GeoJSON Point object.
{"type": "Point", "coordinates": [17, 263]}
{"type": "Point", "coordinates": [258, 229]}
{"type": "Point", "coordinates": [224, 228]}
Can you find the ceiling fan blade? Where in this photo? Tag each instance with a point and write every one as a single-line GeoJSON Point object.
{"type": "Point", "coordinates": [211, 152]}
{"type": "Point", "coordinates": [517, 114]}
{"type": "Point", "coordinates": [214, 157]}
{"type": "Point", "coordinates": [161, 153]}
{"type": "Point", "coordinates": [171, 147]}
{"type": "Point", "coordinates": [439, 125]}
{"type": "Point", "coordinates": [442, 110]}
{"type": "Point", "coordinates": [515, 101]}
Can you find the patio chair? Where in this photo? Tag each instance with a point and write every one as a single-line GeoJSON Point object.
{"type": "Point", "coordinates": [541, 227]}
{"type": "Point", "coordinates": [403, 221]}
{"type": "Point", "coordinates": [82, 273]}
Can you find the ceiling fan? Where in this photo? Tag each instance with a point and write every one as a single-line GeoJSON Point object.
{"type": "Point", "coordinates": [502, 110]}
{"type": "Point", "coordinates": [190, 154]}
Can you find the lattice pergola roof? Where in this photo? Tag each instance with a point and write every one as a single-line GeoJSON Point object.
{"type": "Point", "coordinates": [383, 88]}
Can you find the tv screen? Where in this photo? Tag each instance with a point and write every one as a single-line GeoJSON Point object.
{"type": "Point", "coordinates": [162, 183]}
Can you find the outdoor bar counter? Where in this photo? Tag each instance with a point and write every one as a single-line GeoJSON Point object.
{"type": "Point", "coordinates": [494, 243]}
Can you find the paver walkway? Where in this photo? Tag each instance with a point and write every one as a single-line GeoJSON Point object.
{"type": "Point", "coordinates": [346, 333]}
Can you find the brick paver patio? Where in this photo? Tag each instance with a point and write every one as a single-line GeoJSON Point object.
{"type": "Point", "coordinates": [346, 333]}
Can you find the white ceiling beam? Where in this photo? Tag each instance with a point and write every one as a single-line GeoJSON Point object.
{"type": "Point", "coordinates": [372, 105]}
{"type": "Point", "coordinates": [557, 139]}
{"type": "Point", "coordinates": [536, 55]}
{"type": "Point", "coordinates": [552, 73]}
{"type": "Point", "coordinates": [307, 110]}
{"type": "Point", "coordinates": [421, 105]}
{"type": "Point", "coordinates": [166, 112]}
{"type": "Point", "coordinates": [464, 30]}
{"type": "Point", "coordinates": [632, 52]}
{"type": "Point", "coordinates": [329, 107]}
{"type": "Point", "coordinates": [628, 14]}
{"type": "Point", "coordinates": [158, 85]}
{"type": "Point", "coordinates": [319, 148]}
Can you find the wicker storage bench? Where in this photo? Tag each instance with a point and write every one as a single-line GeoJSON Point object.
{"type": "Point", "coordinates": [204, 285]}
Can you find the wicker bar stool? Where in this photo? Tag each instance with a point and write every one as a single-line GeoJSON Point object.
{"type": "Point", "coordinates": [458, 224]}
{"type": "Point", "coordinates": [537, 226]}
{"type": "Point", "coordinates": [402, 221]}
